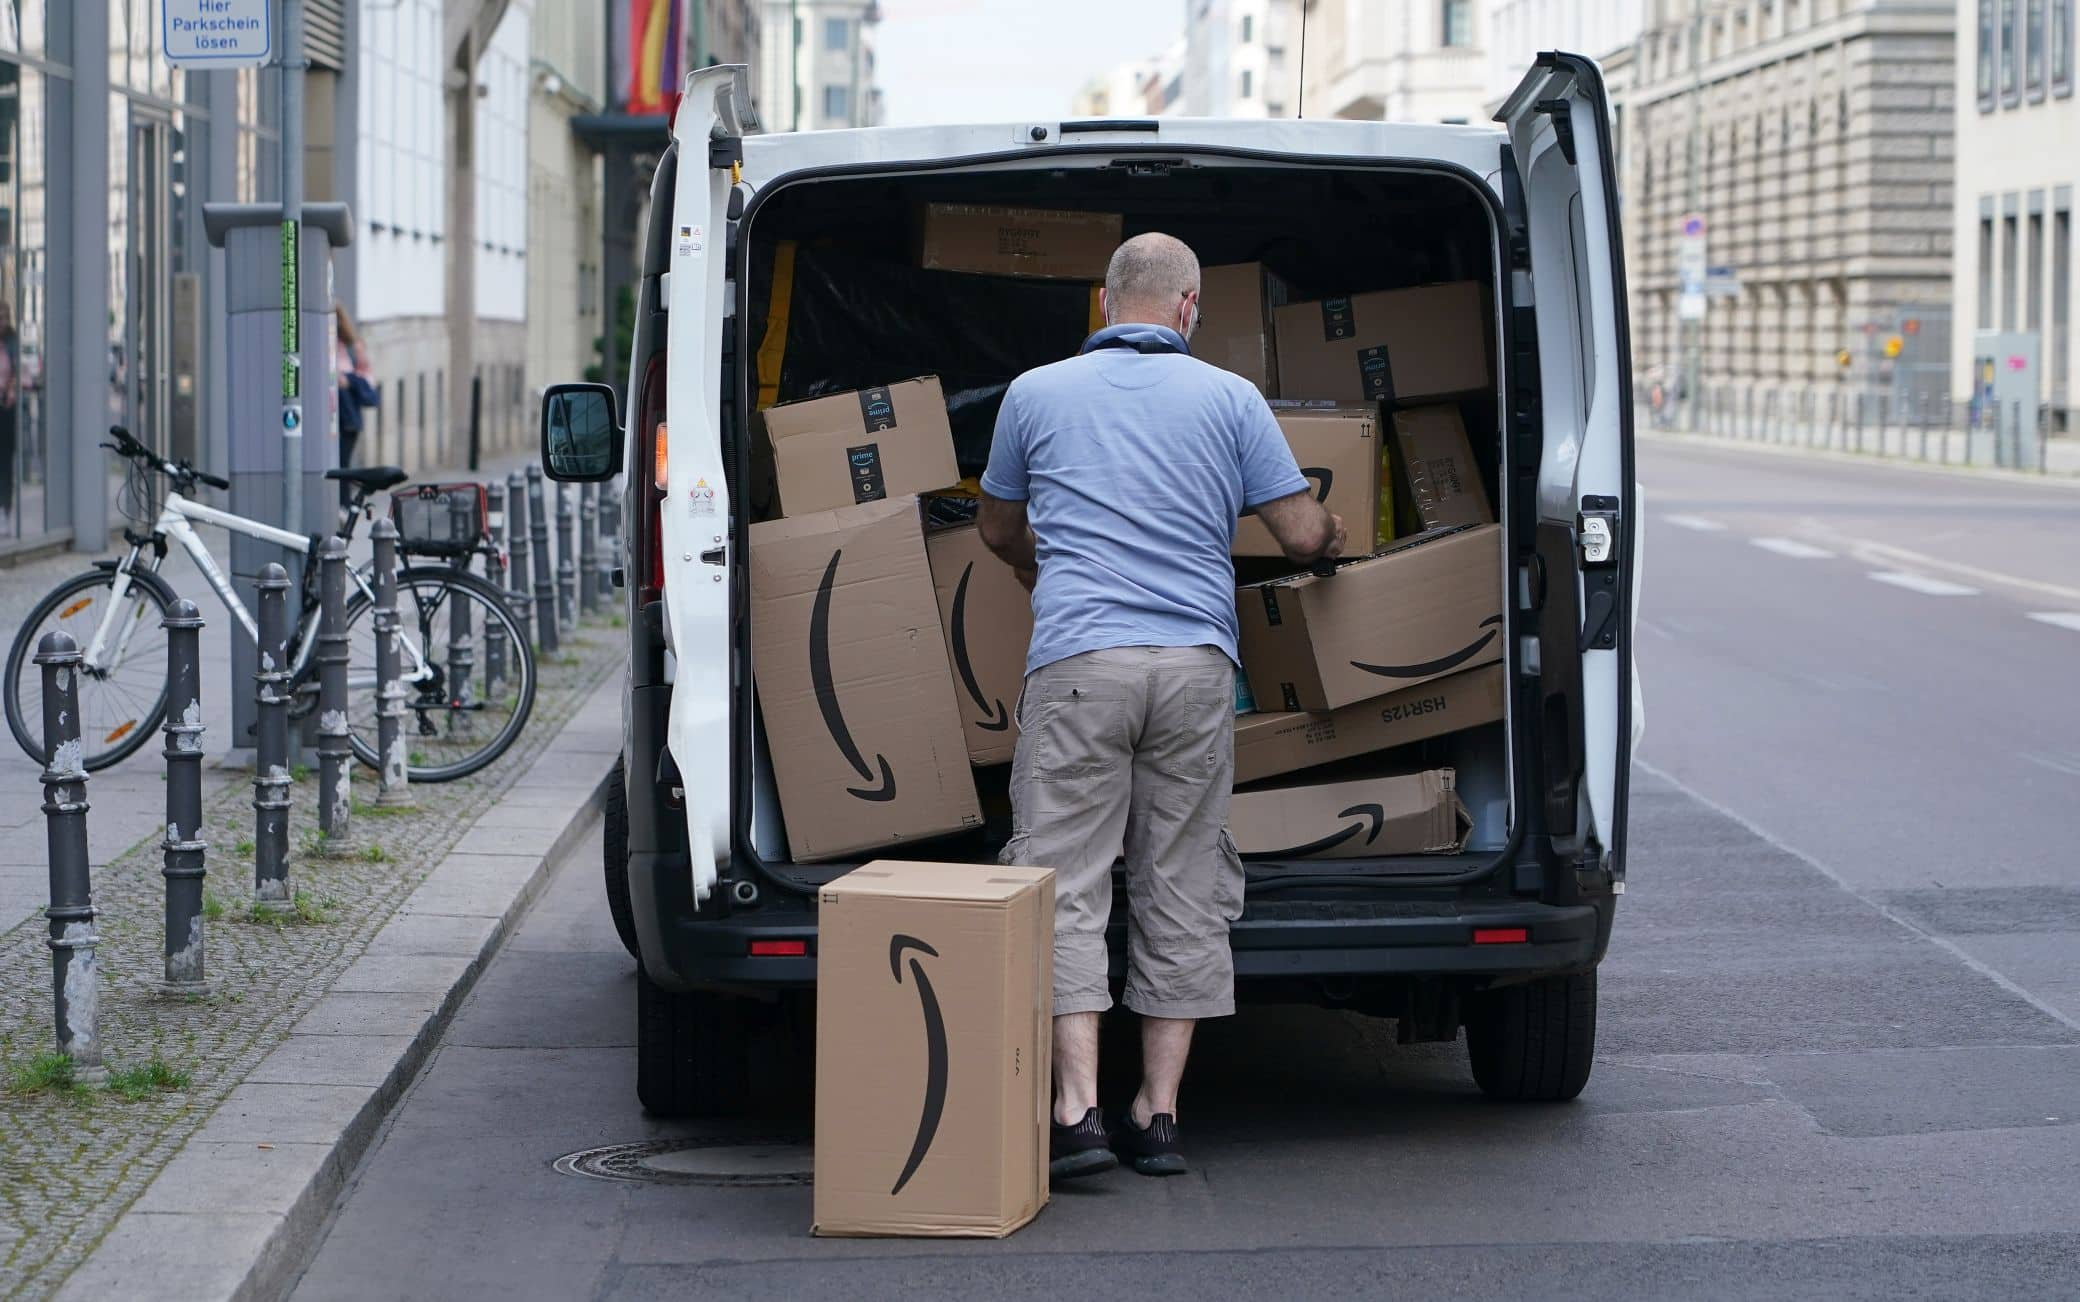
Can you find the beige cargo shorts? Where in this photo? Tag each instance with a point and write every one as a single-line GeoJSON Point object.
{"type": "Point", "coordinates": [1131, 752]}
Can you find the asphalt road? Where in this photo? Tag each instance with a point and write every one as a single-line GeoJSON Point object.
{"type": "Point", "coordinates": [1840, 1044]}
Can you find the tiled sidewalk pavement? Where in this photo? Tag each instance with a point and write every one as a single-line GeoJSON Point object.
{"type": "Point", "coordinates": [72, 1162]}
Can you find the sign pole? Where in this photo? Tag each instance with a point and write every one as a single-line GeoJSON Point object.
{"type": "Point", "coordinates": [292, 257]}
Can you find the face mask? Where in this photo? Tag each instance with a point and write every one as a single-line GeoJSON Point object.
{"type": "Point", "coordinates": [1188, 322]}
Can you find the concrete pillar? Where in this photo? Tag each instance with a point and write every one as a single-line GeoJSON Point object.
{"type": "Point", "coordinates": [78, 256]}
{"type": "Point", "coordinates": [461, 105]}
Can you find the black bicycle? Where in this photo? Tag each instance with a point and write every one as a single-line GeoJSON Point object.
{"type": "Point", "coordinates": [469, 673]}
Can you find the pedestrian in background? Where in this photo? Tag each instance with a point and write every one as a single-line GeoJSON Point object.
{"type": "Point", "coordinates": [357, 391]}
{"type": "Point", "coordinates": [1114, 483]}
{"type": "Point", "coordinates": [10, 406]}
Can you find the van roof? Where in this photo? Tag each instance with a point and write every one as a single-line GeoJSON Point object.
{"type": "Point", "coordinates": [1474, 148]}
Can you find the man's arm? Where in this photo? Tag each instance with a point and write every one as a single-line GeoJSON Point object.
{"type": "Point", "coordinates": [1305, 529]}
{"type": "Point", "coordinates": [1005, 532]}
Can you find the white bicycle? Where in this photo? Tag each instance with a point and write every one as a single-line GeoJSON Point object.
{"type": "Point", "coordinates": [469, 673]}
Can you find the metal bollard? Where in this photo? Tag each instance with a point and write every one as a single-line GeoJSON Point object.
{"type": "Point", "coordinates": [610, 540]}
{"type": "Point", "coordinates": [393, 780]}
{"type": "Point", "coordinates": [588, 548]}
{"type": "Point", "coordinates": [335, 749]}
{"type": "Point", "coordinates": [271, 744]}
{"type": "Point", "coordinates": [494, 574]}
{"type": "Point", "coordinates": [566, 560]}
{"type": "Point", "coordinates": [518, 595]}
{"type": "Point", "coordinates": [184, 847]}
{"type": "Point", "coordinates": [545, 631]}
{"type": "Point", "coordinates": [462, 635]}
{"type": "Point", "coordinates": [75, 974]}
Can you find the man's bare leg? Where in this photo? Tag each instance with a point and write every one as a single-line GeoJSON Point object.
{"type": "Point", "coordinates": [1076, 1066]}
{"type": "Point", "coordinates": [1165, 1044]}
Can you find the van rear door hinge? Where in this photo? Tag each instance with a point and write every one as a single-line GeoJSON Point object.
{"type": "Point", "coordinates": [1562, 113]}
{"type": "Point", "coordinates": [725, 151]}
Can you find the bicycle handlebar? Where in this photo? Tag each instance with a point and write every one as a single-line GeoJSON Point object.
{"type": "Point", "coordinates": [126, 445]}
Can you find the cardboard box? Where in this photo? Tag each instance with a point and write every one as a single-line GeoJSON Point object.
{"type": "Point", "coordinates": [853, 683]}
{"type": "Point", "coordinates": [935, 985]}
{"type": "Point", "coordinates": [988, 618]}
{"type": "Point", "coordinates": [1443, 481]}
{"type": "Point", "coordinates": [1046, 243]}
{"type": "Point", "coordinates": [1394, 346]}
{"type": "Point", "coordinates": [1415, 813]}
{"type": "Point", "coordinates": [1337, 446]}
{"type": "Point", "coordinates": [1234, 332]}
{"type": "Point", "coordinates": [869, 445]}
{"type": "Point", "coordinates": [1422, 609]}
{"type": "Point", "coordinates": [1267, 745]}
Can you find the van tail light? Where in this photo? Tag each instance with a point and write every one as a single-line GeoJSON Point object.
{"type": "Point", "coordinates": [660, 478]}
{"type": "Point", "coordinates": [654, 452]}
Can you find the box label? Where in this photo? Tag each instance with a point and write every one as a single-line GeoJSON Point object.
{"type": "Point", "coordinates": [868, 483]}
{"type": "Point", "coordinates": [1375, 374]}
{"type": "Point", "coordinates": [876, 411]}
{"type": "Point", "coordinates": [1337, 320]}
{"type": "Point", "coordinates": [1292, 697]}
{"type": "Point", "coordinates": [1271, 607]}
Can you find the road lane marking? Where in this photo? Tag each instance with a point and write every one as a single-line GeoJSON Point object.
{"type": "Point", "coordinates": [1877, 553]}
{"type": "Point", "coordinates": [2057, 618]}
{"type": "Point", "coordinates": [2066, 764]}
{"type": "Point", "coordinates": [1697, 522]}
{"type": "Point", "coordinates": [1923, 584]}
{"type": "Point", "coordinates": [1793, 548]}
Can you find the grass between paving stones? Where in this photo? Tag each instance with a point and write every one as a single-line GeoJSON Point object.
{"type": "Point", "coordinates": [266, 975]}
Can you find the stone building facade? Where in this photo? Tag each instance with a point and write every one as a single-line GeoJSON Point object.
{"type": "Point", "coordinates": [1821, 135]}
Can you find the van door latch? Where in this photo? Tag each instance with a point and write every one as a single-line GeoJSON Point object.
{"type": "Point", "coordinates": [1597, 529]}
{"type": "Point", "coordinates": [714, 556]}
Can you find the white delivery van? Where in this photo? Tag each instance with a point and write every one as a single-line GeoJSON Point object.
{"type": "Point", "coordinates": [1502, 938]}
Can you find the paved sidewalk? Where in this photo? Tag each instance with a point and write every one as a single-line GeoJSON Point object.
{"type": "Point", "coordinates": [1957, 451]}
{"type": "Point", "coordinates": [280, 1075]}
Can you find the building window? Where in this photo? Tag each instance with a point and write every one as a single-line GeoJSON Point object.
{"type": "Point", "coordinates": [1986, 273]}
{"type": "Point", "coordinates": [837, 102]}
{"type": "Point", "coordinates": [2011, 57]}
{"type": "Point", "coordinates": [1249, 83]}
{"type": "Point", "coordinates": [1249, 28]}
{"type": "Point", "coordinates": [837, 34]}
{"type": "Point", "coordinates": [2062, 47]}
{"type": "Point", "coordinates": [1457, 24]}
{"type": "Point", "coordinates": [2011, 257]}
{"type": "Point", "coordinates": [2033, 57]}
{"type": "Point", "coordinates": [2033, 294]}
{"type": "Point", "coordinates": [2061, 307]}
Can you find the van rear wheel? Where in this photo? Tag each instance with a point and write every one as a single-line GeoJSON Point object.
{"type": "Point", "coordinates": [1534, 1042]}
{"type": "Point", "coordinates": [689, 1051]}
{"type": "Point", "coordinates": [614, 858]}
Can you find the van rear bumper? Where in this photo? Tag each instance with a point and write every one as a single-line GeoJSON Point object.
{"type": "Point", "coordinates": [1275, 939]}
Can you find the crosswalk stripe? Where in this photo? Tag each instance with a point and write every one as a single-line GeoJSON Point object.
{"type": "Point", "coordinates": [1793, 548]}
{"type": "Point", "coordinates": [1697, 522]}
{"type": "Point", "coordinates": [1923, 584]}
{"type": "Point", "coordinates": [2058, 618]}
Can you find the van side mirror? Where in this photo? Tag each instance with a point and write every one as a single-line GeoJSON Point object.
{"type": "Point", "coordinates": [581, 439]}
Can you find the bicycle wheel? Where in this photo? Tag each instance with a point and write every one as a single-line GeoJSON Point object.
{"type": "Point", "coordinates": [122, 699]}
{"type": "Point", "coordinates": [469, 678]}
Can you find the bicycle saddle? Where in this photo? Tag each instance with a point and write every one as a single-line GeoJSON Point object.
{"type": "Point", "coordinates": [373, 478]}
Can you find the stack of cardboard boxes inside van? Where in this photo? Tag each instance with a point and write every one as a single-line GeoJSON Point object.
{"type": "Point", "coordinates": [890, 653]}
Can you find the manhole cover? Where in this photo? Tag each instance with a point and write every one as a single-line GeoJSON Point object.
{"type": "Point", "coordinates": [757, 1162]}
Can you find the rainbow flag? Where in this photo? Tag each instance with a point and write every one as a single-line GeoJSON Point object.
{"type": "Point", "coordinates": [653, 29]}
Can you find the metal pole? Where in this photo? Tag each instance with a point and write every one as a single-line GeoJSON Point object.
{"type": "Point", "coordinates": [393, 781]}
{"type": "Point", "coordinates": [335, 750]}
{"type": "Point", "coordinates": [566, 562]}
{"type": "Point", "coordinates": [184, 846]}
{"type": "Point", "coordinates": [462, 637]}
{"type": "Point", "coordinates": [610, 539]}
{"type": "Point", "coordinates": [75, 976]}
{"type": "Point", "coordinates": [476, 420]}
{"type": "Point", "coordinates": [545, 631]}
{"type": "Point", "coordinates": [494, 574]}
{"type": "Point", "coordinates": [271, 744]}
{"type": "Point", "coordinates": [519, 593]}
{"type": "Point", "coordinates": [588, 548]}
{"type": "Point", "coordinates": [292, 259]}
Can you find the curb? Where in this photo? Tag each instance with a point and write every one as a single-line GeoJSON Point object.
{"type": "Point", "coordinates": [1996, 474]}
{"type": "Point", "coordinates": [232, 1215]}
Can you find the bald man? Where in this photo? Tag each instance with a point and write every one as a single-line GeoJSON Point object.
{"type": "Point", "coordinates": [1113, 488]}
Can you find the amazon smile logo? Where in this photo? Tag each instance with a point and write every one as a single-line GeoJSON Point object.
{"type": "Point", "coordinates": [1374, 817]}
{"type": "Point", "coordinates": [994, 717]}
{"type": "Point", "coordinates": [1429, 668]}
{"type": "Point", "coordinates": [827, 693]}
{"type": "Point", "coordinates": [934, 1051]}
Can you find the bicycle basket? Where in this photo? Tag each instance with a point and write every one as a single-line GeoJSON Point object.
{"type": "Point", "coordinates": [429, 523]}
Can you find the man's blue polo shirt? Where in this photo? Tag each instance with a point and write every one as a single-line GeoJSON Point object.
{"type": "Point", "coordinates": [1134, 466]}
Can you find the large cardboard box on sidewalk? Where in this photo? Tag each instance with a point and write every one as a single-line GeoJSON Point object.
{"type": "Point", "coordinates": [934, 990]}
{"type": "Point", "coordinates": [988, 618]}
{"type": "Point", "coordinates": [1442, 478]}
{"type": "Point", "coordinates": [869, 445]}
{"type": "Point", "coordinates": [1267, 745]}
{"type": "Point", "coordinates": [1415, 813]}
{"type": "Point", "coordinates": [1422, 609]}
{"type": "Point", "coordinates": [1048, 243]}
{"type": "Point", "coordinates": [1235, 303]}
{"type": "Point", "coordinates": [1337, 446]}
{"type": "Point", "coordinates": [850, 665]}
{"type": "Point", "coordinates": [1393, 346]}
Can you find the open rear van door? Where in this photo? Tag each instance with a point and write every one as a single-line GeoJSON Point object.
{"type": "Point", "coordinates": [1586, 513]}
